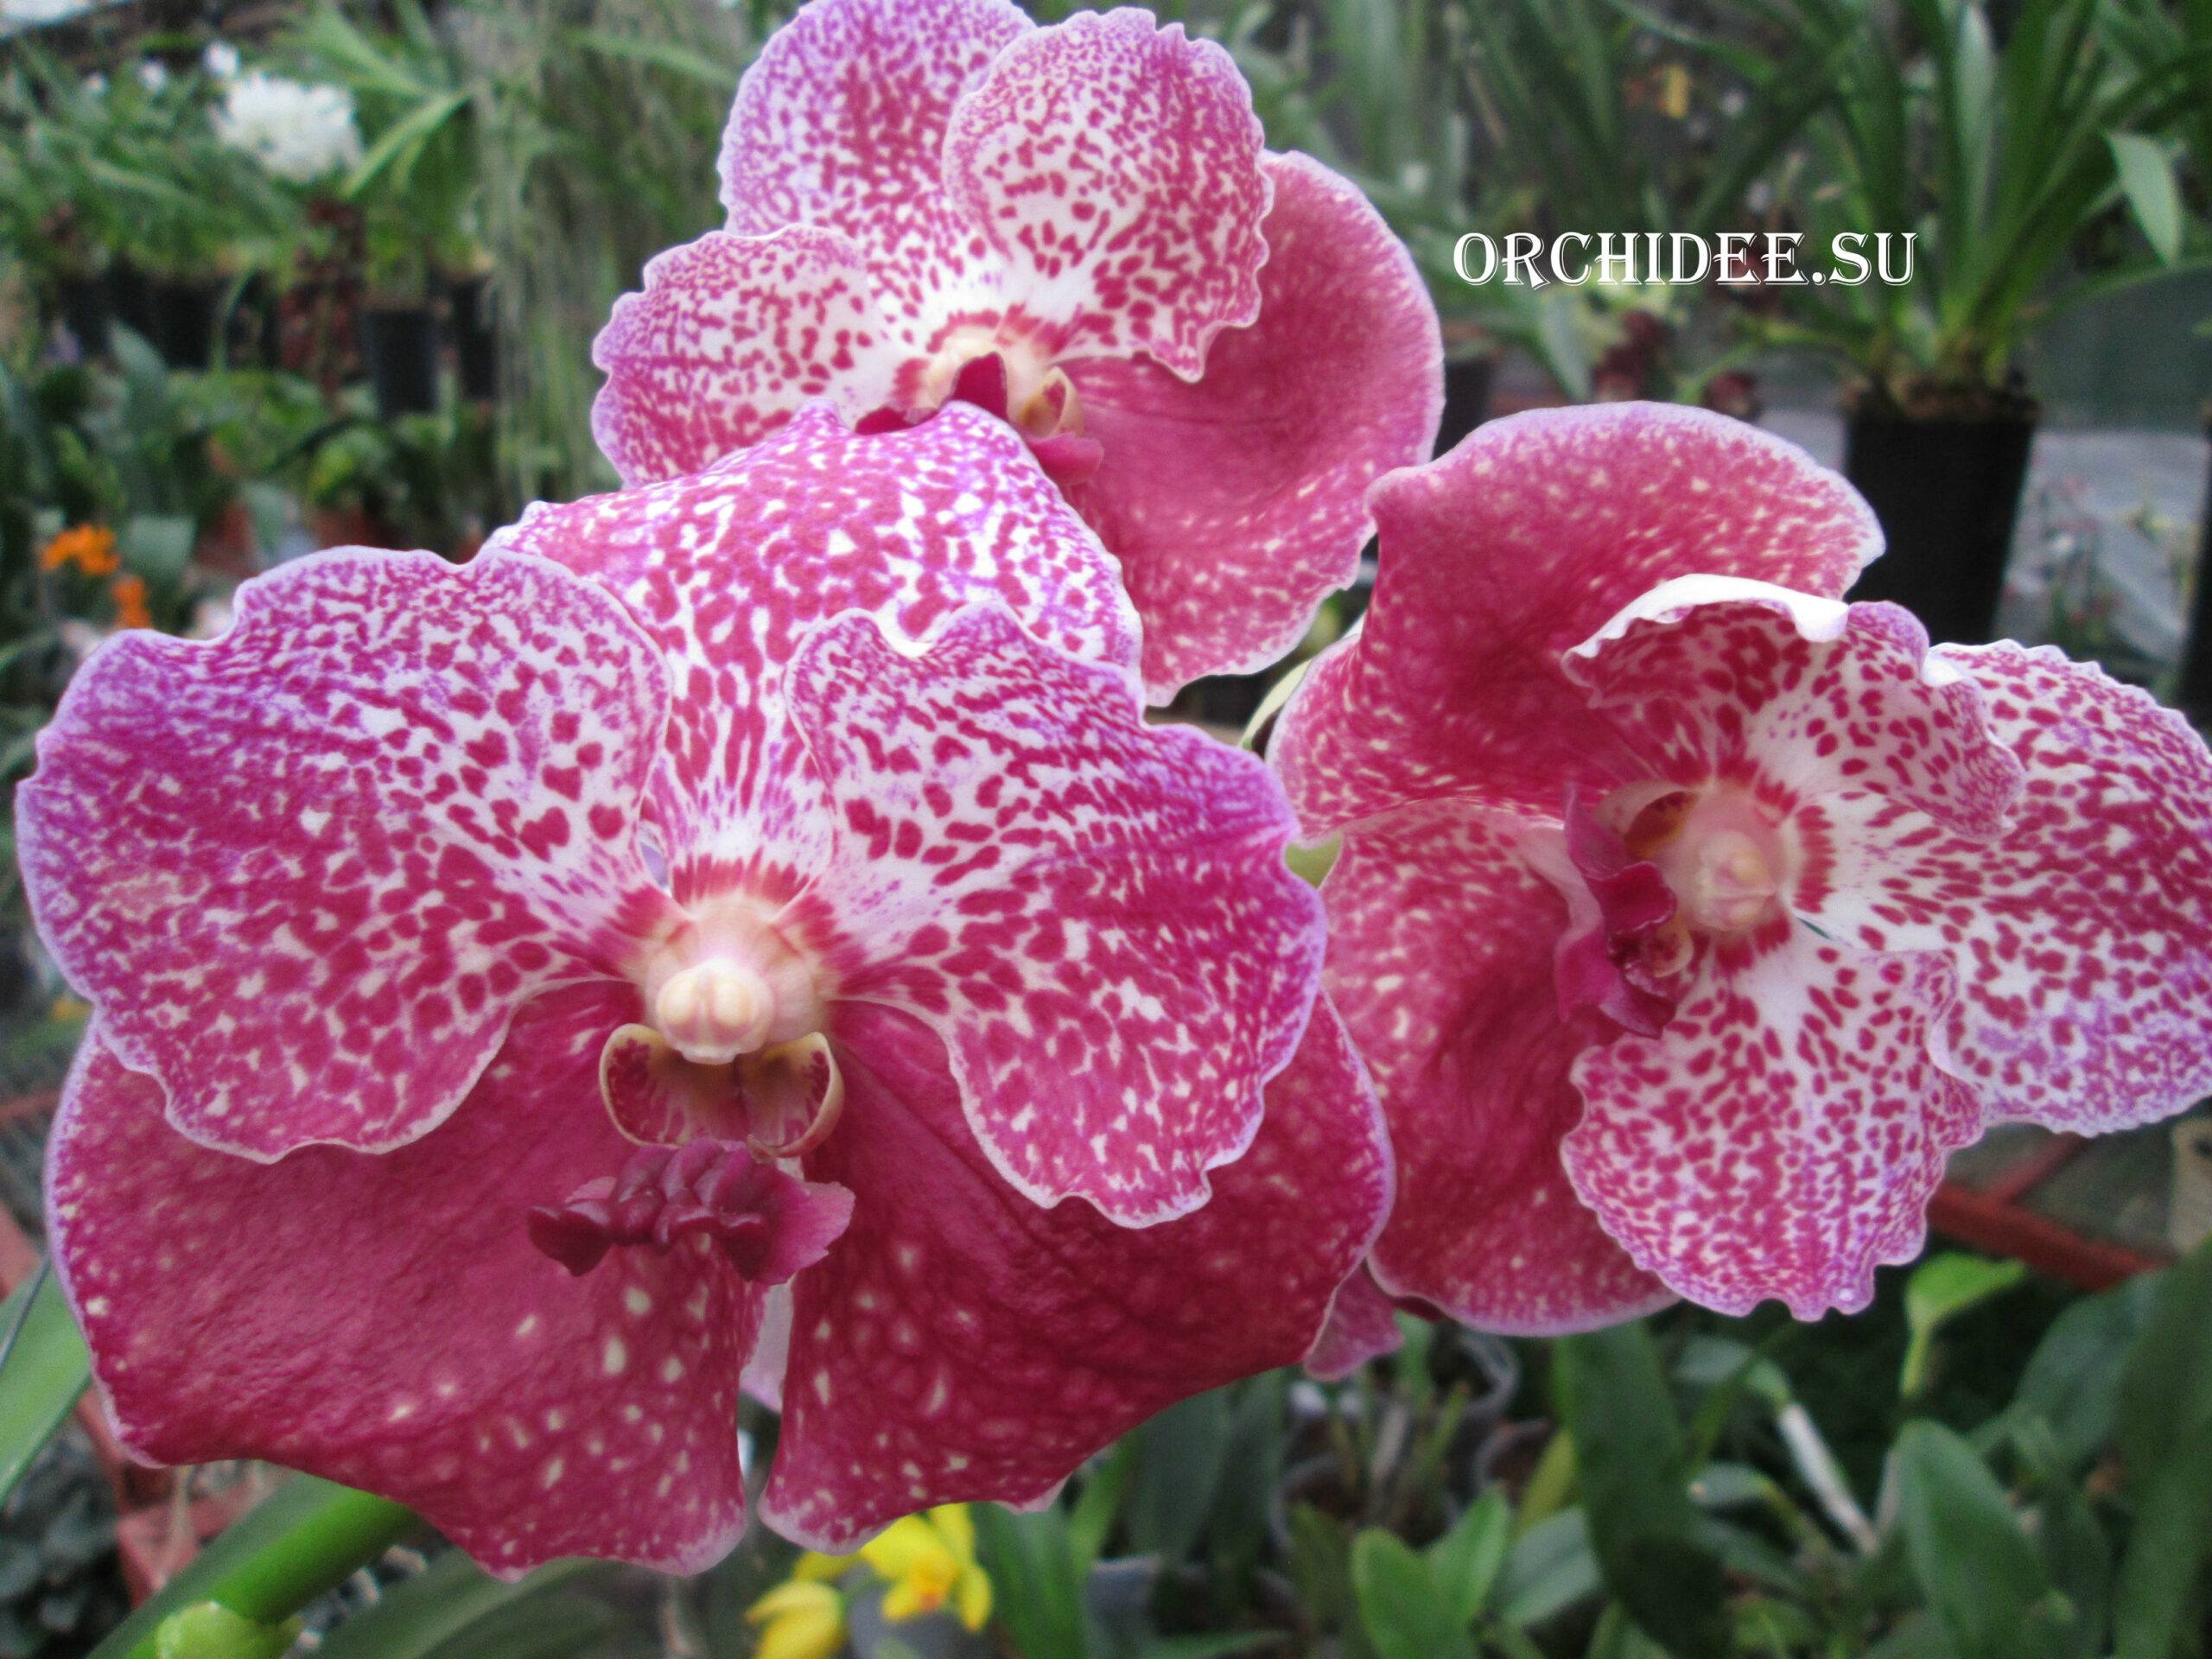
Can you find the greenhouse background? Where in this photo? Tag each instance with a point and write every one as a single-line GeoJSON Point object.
{"type": "Point", "coordinates": [277, 277]}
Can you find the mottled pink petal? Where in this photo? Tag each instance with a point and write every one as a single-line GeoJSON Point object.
{"type": "Point", "coordinates": [1511, 550]}
{"type": "Point", "coordinates": [1236, 503]}
{"type": "Point", "coordinates": [1441, 944]}
{"type": "Point", "coordinates": [1114, 166]}
{"type": "Point", "coordinates": [384, 1320]}
{"type": "Point", "coordinates": [841, 123]}
{"type": "Point", "coordinates": [393, 802]}
{"type": "Point", "coordinates": [1362, 1325]}
{"type": "Point", "coordinates": [731, 335]}
{"type": "Point", "coordinates": [728, 568]}
{"type": "Point", "coordinates": [961, 1343]}
{"type": "Point", "coordinates": [2083, 935]}
{"type": "Point", "coordinates": [1797, 695]}
{"type": "Point", "coordinates": [1092, 912]}
{"type": "Point", "coordinates": [1782, 1138]}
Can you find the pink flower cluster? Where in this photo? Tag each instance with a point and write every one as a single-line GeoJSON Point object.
{"type": "Point", "coordinates": [742, 932]}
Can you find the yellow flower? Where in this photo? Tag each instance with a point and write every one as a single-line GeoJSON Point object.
{"type": "Point", "coordinates": [804, 1620]}
{"type": "Point", "coordinates": [930, 1558]}
{"type": "Point", "coordinates": [91, 548]}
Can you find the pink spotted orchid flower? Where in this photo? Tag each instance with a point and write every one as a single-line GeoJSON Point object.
{"type": "Point", "coordinates": [1688, 916]}
{"type": "Point", "coordinates": [1213, 349]}
{"type": "Point", "coordinates": [738, 928]}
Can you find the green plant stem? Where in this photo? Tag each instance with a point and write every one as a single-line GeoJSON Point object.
{"type": "Point", "coordinates": [306, 1537]}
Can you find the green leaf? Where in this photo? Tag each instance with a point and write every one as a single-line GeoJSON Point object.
{"type": "Point", "coordinates": [418, 1616]}
{"type": "Point", "coordinates": [661, 55]}
{"type": "Point", "coordinates": [1100, 1505]}
{"type": "Point", "coordinates": [301, 1540]}
{"type": "Point", "coordinates": [2165, 1421]}
{"type": "Point", "coordinates": [1407, 1616]}
{"type": "Point", "coordinates": [407, 136]}
{"type": "Point", "coordinates": [1941, 1288]}
{"type": "Point", "coordinates": [1465, 1561]}
{"type": "Point", "coordinates": [1178, 1472]}
{"type": "Point", "coordinates": [2147, 175]}
{"type": "Point", "coordinates": [157, 545]}
{"type": "Point", "coordinates": [2073, 1378]}
{"type": "Point", "coordinates": [1036, 1583]}
{"type": "Point", "coordinates": [47, 1370]}
{"type": "Point", "coordinates": [1635, 1488]}
{"type": "Point", "coordinates": [1549, 1568]}
{"type": "Point", "coordinates": [2078, 1562]}
{"type": "Point", "coordinates": [1975, 1563]}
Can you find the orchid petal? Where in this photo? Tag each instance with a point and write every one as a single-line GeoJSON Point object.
{"type": "Point", "coordinates": [841, 123]}
{"type": "Point", "coordinates": [728, 568]}
{"type": "Point", "coordinates": [1236, 503]}
{"type": "Point", "coordinates": [2083, 935]}
{"type": "Point", "coordinates": [1093, 914]}
{"type": "Point", "coordinates": [1113, 166]}
{"type": "Point", "coordinates": [1440, 959]}
{"type": "Point", "coordinates": [732, 334]}
{"type": "Point", "coordinates": [1362, 1325]}
{"type": "Point", "coordinates": [1784, 1136]}
{"type": "Point", "coordinates": [961, 1343]}
{"type": "Point", "coordinates": [1512, 550]}
{"type": "Point", "coordinates": [392, 802]}
{"type": "Point", "coordinates": [384, 1320]}
{"type": "Point", "coordinates": [1710, 677]}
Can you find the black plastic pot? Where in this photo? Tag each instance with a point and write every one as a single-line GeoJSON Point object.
{"type": "Point", "coordinates": [181, 317]}
{"type": "Point", "coordinates": [88, 307]}
{"type": "Point", "coordinates": [2194, 690]}
{"type": "Point", "coordinates": [475, 338]}
{"type": "Point", "coordinates": [1466, 398]}
{"type": "Point", "coordinates": [399, 347]}
{"type": "Point", "coordinates": [1947, 492]}
{"type": "Point", "coordinates": [129, 297]}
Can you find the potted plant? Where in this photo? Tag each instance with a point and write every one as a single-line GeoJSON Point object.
{"type": "Point", "coordinates": [1994, 157]}
{"type": "Point", "coordinates": [416, 186]}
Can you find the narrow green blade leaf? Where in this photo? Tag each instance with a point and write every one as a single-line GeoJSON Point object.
{"type": "Point", "coordinates": [1406, 1614]}
{"type": "Point", "coordinates": [415, 1618]}
{"type": "Point", "coordinates": [1549, 1568]}
{"type": "Point", "coordinates": [47, 1370]}
{"type": "Point", "coordinates": [1036, 1584]}
{"type": "Point", "coordinates": [1178, 1469]}
{"type": "Point", "coordinates": [1635, 1488]}
{"type": "Point", "coordinates": [2147, 175]}
{"type": "Point", "coordinates": [1975, 1563]}
{"type": "Point", "coordinates": [2166, 1442]}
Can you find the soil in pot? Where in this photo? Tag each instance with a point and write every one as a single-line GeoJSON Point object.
{"type": "Point", "coordinates": [1947, 492]}
{"type": "Point", "coordinates": [400, 348]}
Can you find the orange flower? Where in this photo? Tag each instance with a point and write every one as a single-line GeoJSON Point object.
{"type": "Point", "coordinates": [91, 548]}
{"type": "Point", "coordinates": [129, 595]}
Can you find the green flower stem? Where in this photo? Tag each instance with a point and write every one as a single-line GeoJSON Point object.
{"type": "Point", "coordinates": [306, 1537]}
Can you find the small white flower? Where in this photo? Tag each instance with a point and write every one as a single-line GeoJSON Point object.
{"type": "Point", "coordinates": [220, 59]}
{"type": "Point", "coordinates": [298, 133]}
{"type": "Point", "coordinates": [153, 74]}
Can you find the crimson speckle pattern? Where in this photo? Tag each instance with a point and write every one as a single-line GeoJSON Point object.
{"type": "Point", "coordinates": [1092, 912]}
{"type": "Point", "coordinates": [1114, 241]}
{"type": "Point", "coordinates": [731, 335]}
{"type": "Point", "coordinates": [383, 1320]}
{"type": "Point", "coordinates": [2083, 936]}
{"type": "Point", "coordinates": [1440, 945]}
{"type": "Point", "coordinates": [841, 122]}
{"type": "Point", "coordinates": [1784, 1134]}
{"type": "Point", "coordinates": [1511, 550]}
{"type": "Point", "coordinates": [1093, 193]}
{"type": "Point", "coordinates": [394, 802]}
{"type": "Point", "coordinates": [729, 569]}
{"type": "Point", "coordinates": [962, 1343]}
{"type": "Point", "coordinates": [1734, 690]}
{"type": "Point", "coordinates": [1272, 451]}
